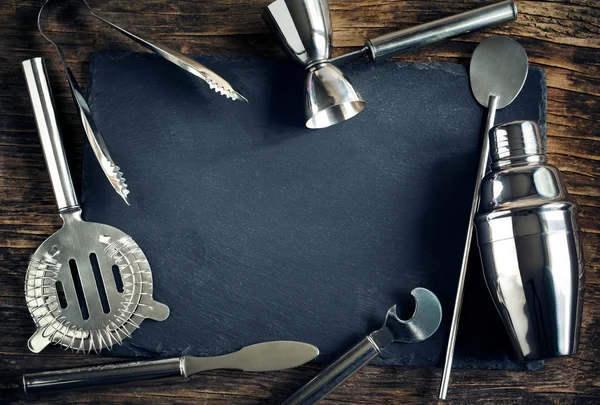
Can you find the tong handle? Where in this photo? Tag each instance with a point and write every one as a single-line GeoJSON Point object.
{"type": "Point", "coordinates": [335, 374]}
{"type": "Point", "coordinates": [105, 375]}
{"type": "Point", "coordinates": [42, 103]}
{"type": "Point", "coordinates": [437, 31]}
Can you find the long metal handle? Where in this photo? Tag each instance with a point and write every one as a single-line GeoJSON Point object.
{"type": "Point", "coordinates": [437, 31]}
{"type": "Point", "coordinates": [335, 374]}
{"type": "Point", "coordinates": [109, 374]}
{"type": "Point", "coordinates": [483, 164]}
{"type": "Point", "coordinates": [42, 103]}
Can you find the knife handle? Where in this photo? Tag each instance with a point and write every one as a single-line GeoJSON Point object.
{"type": "Point", "coordinates": [335, 374]}
{"type": "Point", "coordinates": [104, 375]}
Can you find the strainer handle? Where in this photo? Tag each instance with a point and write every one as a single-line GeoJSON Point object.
{"type": "Point", "coordinates": [42, 103]}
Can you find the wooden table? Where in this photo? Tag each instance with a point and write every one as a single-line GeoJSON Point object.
{"type": "Point", "coordinates": [561, 37]}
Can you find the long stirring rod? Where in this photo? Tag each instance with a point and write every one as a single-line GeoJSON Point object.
{"type": "Point", "coordinates": [483, 163]}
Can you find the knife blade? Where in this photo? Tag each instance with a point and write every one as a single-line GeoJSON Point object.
{"type": "Point", "coordinates": [266, 356]}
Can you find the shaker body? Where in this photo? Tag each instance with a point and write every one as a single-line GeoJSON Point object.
{"type": "Point", "coordinates": [531, 255]}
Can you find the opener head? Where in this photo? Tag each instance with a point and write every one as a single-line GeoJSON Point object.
{"type": "Point", "coordinates": [330, 97]}
{"type": "Point", "coordinates": [424, 322]}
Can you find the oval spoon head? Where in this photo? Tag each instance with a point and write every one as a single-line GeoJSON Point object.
{"type": "Point", "coordinates": [498, 68]}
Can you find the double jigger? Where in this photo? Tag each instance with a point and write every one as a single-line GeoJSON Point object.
{"type": "Point", "coordinates": [304, 29]}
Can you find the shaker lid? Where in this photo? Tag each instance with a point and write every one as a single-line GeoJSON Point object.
{"type": "Point", "coordinates": [516, 140]}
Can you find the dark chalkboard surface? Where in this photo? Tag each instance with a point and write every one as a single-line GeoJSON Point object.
{"type": "Point", "coordinates": [259, 229]}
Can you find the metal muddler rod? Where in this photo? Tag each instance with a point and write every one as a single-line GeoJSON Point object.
{"type": "Point", "coordinates": [410, 39]}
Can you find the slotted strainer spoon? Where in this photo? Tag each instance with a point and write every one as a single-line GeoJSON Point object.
{"type": "Point", "coordinates": [76, 296]}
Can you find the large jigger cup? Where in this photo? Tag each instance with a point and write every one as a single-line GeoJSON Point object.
{"type": "Point", "coordinates": [304, 29]}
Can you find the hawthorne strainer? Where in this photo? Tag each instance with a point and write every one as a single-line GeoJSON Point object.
{"type": "Point", "coordinates": [89, 285]}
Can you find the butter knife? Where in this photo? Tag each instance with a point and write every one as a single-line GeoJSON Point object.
{"type": "Point", "coordinates": [266, 356]}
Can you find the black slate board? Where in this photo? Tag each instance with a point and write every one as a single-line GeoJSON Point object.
{"type": "Point", "coordinates": [259, 229]}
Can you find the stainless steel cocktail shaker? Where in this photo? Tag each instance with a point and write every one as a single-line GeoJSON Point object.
{"type": "Point", "coordinates": [529, 243]}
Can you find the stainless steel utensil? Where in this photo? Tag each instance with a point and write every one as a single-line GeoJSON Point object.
{"type": "Point", "coordinates": [111, 170]}
{"type": "Point", "coordinates": [529, 243]}
{"type": "Point", "coordinates": [304, 29]}
{"type": "Point", "coordinates": [267, 356]}
{"type": "Point", "coordinates": [497, 73]}
{"type": "Point", "coordinates": [216, 82]}
{"type": "Point", "coordinates": [424, 322]}
{"type": "Point", "coordinates": [89, 285]}
{"type": "Point", "coordinates": [109, 167]}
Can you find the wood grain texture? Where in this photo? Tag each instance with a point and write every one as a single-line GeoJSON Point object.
{"type": "Point", "coordinates": [563, 37]}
